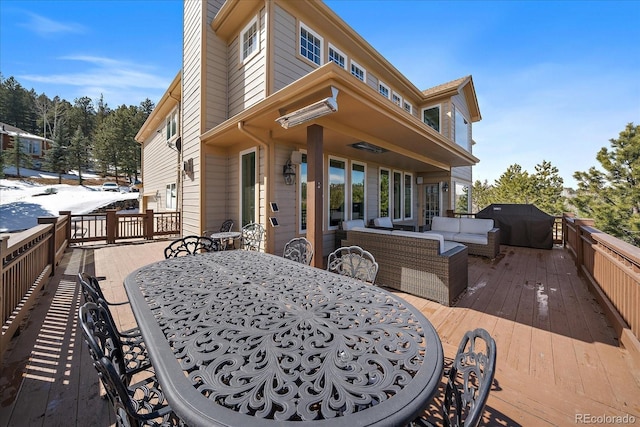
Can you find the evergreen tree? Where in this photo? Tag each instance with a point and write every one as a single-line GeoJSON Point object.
{"type": "Point", "coordinates": [482, 195]}
{"type": "Point", "coordinates": [56, 157]}
{"type": "Point", "coordinates": [79, 152]}
{"type": "Point", "coordinates": [17, 155]}
{"type": "Point", "coordinates": [611, 197]}
{"type": "Point", "coordinates": [548, 186]}
{"type": "Point", "coordinates": [513, 186]}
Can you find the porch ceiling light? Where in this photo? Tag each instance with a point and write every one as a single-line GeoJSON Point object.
{"type": "Point", "coordinates": [369, 147]}
{"type": "Point", "coordinates": [310, 112]}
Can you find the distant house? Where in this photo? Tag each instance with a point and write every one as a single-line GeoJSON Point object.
{"type": "Point", "coordinates": [34, 145]}
{"type": "Point", "coordinates": [283, 115]}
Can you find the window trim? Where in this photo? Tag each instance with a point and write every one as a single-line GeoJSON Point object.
{"type": "Point", "coordinates": [404, 194]}
{"type": "Point", "coordinates": [170, 133]}
{"type": "Point", "coordinates": [356, 65]}
{"type": "Point", "coordinates": [457, 112]}
{"type": "Point", "coordinates": [338, 51]}
{"type": "Point", "coordinates": [382, 84]}
{"type": "Point", "coordinates": [439, 107]}
{"type": "Point", "coordinates": [302, 25]}
{"type": "Point", "coordinates": [405, 105]}
{"type": "Point", "coordinates": [169, 196]}
{"type": "Point", "coordinates": [246, 59]}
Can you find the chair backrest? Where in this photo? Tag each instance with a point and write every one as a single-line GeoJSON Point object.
{"type": "Point", "coordinates": [226, 226]}
{"type": "Point", "coordinates": [353, 261]}
{"type": "Point", "coordinates": [299, 249]}
{"type": "Point", "coordinates": [252, 235]}
{"type": "Point", "coordinates": [101, 336]}
{"type": "Point", "coordinates": [469, 380]}
{"type": "Point", "coordinates": [190, 245]}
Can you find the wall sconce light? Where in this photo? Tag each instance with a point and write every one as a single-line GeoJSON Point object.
{"type": "Point", "coordinates": [445, 187]}
{"type": "Point", "coordinates": [310, 112]}
{"type": "Point", "coordinates": [289, 173]}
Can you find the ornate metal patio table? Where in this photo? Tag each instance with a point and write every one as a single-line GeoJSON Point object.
{"type": "Point", "coordinates": [243, 338]}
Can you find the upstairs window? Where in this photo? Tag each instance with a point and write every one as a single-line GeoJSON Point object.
{"type": "Point", "coordinates": [396, 99]}
{"type": "Point", "coordinates": [310, 45]}
{"type": "Point", "coordinates": [431, 116]}
{"type": "Point", "coordinates": [249, 44]}
{"type": "Point", "coordinates": [462, 130]}
{"type": "Point", "coordinates": [408, 107]}
{"type": "Point", "coordinates": [338, 57]}
{"type": "Point", "coordinates": [358, 71]}
{"type": "Point", "coordinates": [172, 125]}
{"type": "Point", "coordinates": [384, 90]}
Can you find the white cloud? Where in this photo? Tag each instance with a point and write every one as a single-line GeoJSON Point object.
{"type": "Point", "coordinates": [45, 27]}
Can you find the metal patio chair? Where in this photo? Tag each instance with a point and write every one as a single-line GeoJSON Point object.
{"type": "Point", "coordinates": [353, 261]}
{"type": "Point", "coordinates": [190, 245]}
{"type": "Point", "coordinates": [299, 249]}
{"type": "Point", "coordinates": [252, 235]}
{"type": "Point", "coordinates": [468, 381]}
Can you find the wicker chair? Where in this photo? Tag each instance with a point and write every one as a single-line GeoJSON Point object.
{"type": "Point", "coordinates": [299, 249]}
{"type": "Point", "coordinates": [468, 381]}
{"type": "Point", "coordinates": [252, 235]}
{"type": "Point", "coordinates": [353, 261]}
{"type": "Point", "coordinates": [190, 245]}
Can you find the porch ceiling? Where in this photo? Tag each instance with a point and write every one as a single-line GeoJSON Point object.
{"type": "Point", "coordinates": [363, 115]}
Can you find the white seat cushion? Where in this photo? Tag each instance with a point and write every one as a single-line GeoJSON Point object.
{"type": "Point", "coordinates": [440, 223]}
{"type": "Point", "coordinates": [448, 245]}
{"type": "Point", "coordinates": [383, 222]}
{"type": "Point", "coordinates": [348, 225]}
{"type": "Point", "coordinates": [446, 235]}
{"type": "Point", "coordinates": [371, 230]}
{"type": "Point", "coordinates": [480, 239]}
{"type": "Point", "coordinates": [430, 236]}
{"type": "Point", "coordinates": [475, 225]}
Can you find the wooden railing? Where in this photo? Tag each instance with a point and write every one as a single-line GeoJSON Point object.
{"type": "Point", "coordinates": [29, 258]}
{"type": "Point", "coordinates": [612, 269]}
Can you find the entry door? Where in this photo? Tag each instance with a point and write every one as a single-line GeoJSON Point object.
{"type": "Point", "coordinates": [431, 202]}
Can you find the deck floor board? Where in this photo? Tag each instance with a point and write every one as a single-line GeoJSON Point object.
{"type": "Point", "coordinates": [557, 356]}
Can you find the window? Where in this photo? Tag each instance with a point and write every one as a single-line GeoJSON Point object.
{"type": "Point", "coordinates": [358, 188]}
{"type": "Point", "coordinates": [358, 71]}
{"type": "Point", "coordinates": [461, 198]}
{"type": "Point", "coordinates": [397, 195]}
{"type": "Point", "coordinates": [249, 43]}
{"type": "Point", "coordinates": [462, 130]}
{"type": "Point", "coordinates": [385, 193]}
{"type": "Point", "coordinates": [171, 197]}
{"type": "Point", "coordinates": [383, 89]}
{"type": "Point", "coordinates": [337, 196]}
{"type": "Point", "coordinates": [172, 124]}
{"type": "Point", "coordinates": [338, 57]}
{"type": "Point", "coordinates": [408, 199]}
{"type": "Point", "coordinates": [408, 107]}
{"type": "Point", "coordinates": [248, 187]}
{"type": "Point", "coordinates": [310, 45]}
{"type": "Point", "coordinates": [431, 116]}
{"type": "Point", "coordinates": [396, 99]}
{"type": "Point", "coordinates": [303, 194]}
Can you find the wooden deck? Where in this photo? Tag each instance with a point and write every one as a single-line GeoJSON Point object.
{"type": "Point", "coordinates": [558, 360]}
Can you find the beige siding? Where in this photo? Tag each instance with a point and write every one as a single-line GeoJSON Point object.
{"type": "Point", "coordinates": [286, 197]}
{"type": "Point", "coordinates": [462, 173]}
{"type": "Point", "coordinates": [216, 73]}
{"type": "Point", "coordinates": [247, 82]}
{"type": "Point", "coordinates": [160, 168]}
{"type": "Point", "coordinates": [288, 67]}
{"type": "Point", "coordinates": [217, 192]}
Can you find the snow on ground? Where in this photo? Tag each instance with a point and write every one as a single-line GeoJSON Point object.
{"type": "Point", "coordinates": [22, 202]}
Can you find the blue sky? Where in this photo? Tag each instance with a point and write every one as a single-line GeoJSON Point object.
{"type": "Point", "coordinates": [555, 80]}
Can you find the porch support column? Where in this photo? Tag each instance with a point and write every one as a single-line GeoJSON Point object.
{"type": "Point", "coordinates": [315, 186]}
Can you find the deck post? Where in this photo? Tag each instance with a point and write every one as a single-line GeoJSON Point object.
{"type": "Point", "coordinates": [148, 224]}
{"type": "Point", "coordinates": [51, 246]}
{"type": "Point", "coordinates": [112, 225]}
{"type": "Point", "coordinates": [67, 232]}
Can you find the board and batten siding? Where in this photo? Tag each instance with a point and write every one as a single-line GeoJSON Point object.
{"type": "Point", "coordinates": [247, 82]}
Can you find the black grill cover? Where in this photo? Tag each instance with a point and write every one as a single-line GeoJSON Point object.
{"type": "Point", "coordinates": [521, 225]}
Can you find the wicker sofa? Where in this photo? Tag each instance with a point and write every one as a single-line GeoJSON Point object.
{"type": "Point", "coordinates": [479, 235]}
{"type": "Point", "coordinates": [417, 263]}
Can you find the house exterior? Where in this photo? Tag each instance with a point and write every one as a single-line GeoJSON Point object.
{"type": "Point", "coordinates": [34, 145]}
{"type": "Point", "coordinates": [368, 143]}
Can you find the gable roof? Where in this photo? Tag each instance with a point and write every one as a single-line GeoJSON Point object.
{"type": "Point", "coordinates": [463, 86]}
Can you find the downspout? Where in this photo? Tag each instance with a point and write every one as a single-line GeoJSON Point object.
{"type": "Point", "coordinates": [267, 173]}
